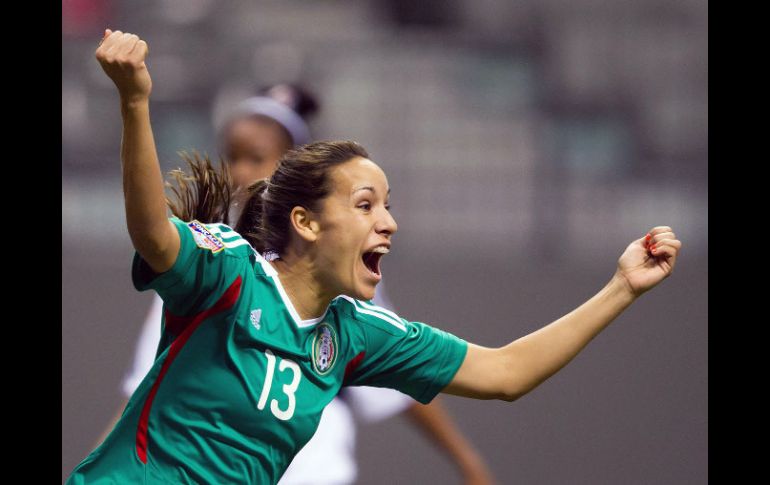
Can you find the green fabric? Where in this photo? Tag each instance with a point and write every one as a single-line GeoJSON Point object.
{"type": "Point", "coordinates": [246, 390]}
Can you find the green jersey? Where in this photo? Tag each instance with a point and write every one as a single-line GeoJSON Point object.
{"type": "Point", "coordinates": [240, 381]}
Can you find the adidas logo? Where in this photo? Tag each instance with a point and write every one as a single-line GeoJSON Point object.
{"type": "Point", "coordinates": [254, 317]}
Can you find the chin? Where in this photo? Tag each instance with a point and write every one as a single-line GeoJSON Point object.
{"type": "Point", "coordinates": [366, 293]}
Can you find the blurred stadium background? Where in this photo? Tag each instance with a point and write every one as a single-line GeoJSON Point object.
{"type": "Point", "coordinates": [526, 142]}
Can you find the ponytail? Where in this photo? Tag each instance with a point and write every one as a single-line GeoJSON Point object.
{"type": "Point", "coordinates": [204, 195]}
{"type": "Point", "coordinates": [250, 224]}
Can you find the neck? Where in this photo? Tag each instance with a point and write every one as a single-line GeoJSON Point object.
{"type": "Point", "coordinates": [302, 286]}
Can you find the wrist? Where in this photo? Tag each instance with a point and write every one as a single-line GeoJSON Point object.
{"type": "Point", "coordinates": [134, 102]}
{"type": "Point", "coordinates": [621, 287]}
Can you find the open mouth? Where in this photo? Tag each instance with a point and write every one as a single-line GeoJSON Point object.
{"type": "Point", "coordinates": [372, 258]}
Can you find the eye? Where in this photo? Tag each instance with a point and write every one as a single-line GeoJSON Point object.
{"type": "Point", "coordinates": [387, 206]}
{"type": "Point", "coordinates": [365, 206]}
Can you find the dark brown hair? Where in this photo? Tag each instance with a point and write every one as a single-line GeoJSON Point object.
{"type": "Point", "coordinates": [203, 195]}
{"type": "Point", "coordinates": [301, 179]}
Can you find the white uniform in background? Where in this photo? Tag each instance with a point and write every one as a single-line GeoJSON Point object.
{"type": "Point", "coordinates": [329, 457]}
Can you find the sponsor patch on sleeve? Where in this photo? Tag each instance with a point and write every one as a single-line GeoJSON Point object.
{"type": "Point", "coordinates": [204, 239]}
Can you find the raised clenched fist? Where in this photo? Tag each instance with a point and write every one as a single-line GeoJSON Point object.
{"type": "Point", "coordinates": [122, 56]}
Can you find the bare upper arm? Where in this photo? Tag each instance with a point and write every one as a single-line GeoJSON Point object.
{"type": "Point", "coordinates": [481, 375]}
{"type": "Point", "coordinates": [161, 254]}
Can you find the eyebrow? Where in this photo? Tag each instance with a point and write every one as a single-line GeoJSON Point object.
{"type": "Point", "coordinates": [368, 188]}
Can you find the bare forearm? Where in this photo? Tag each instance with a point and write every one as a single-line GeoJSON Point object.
{"type": "Point", "coordinates": [143, 190]}
{"type": "Point", "coordinates": [510, 372]}
{"type": "Point", "coordinates": [142, 179]}
{"type": "Point", "coordinates": [532, 359]}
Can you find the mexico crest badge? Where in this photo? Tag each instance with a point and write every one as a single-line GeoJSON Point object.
{"type": "Point", "coordinates": [325, 348]}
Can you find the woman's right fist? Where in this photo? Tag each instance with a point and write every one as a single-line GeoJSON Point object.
{"type": "Point", "coordinates": [122, 55]}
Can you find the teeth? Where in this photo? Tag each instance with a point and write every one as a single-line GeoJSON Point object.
{"type": "Point", "coordinates": [381, 249]}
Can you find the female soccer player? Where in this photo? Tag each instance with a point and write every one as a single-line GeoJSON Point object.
{"type": "Point", "coordinates": [254, 135]}
{"type": "Point", "coordinates": [254, 349]}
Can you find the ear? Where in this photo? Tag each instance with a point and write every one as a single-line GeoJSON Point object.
{"type": "Point", "coordinates": [304, 223]}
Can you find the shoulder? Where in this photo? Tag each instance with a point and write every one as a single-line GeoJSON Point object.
{"type": "Point", "coordinates": [221, 239]}
{"type": "Point", "coordinates": [368, 316]}
{"type": "Point", "coordinates": [215, 236]}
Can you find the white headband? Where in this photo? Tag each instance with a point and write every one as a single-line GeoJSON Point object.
{"type": "Point", "coordinates": [279, 112]}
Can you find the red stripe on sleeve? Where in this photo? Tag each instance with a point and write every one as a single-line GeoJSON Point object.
{"type": "Point", "coordinates": [353, 365]}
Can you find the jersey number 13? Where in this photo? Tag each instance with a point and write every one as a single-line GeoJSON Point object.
{"type": "Point", "coordinates": [288, 389]}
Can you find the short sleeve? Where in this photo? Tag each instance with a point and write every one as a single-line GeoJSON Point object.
{"type": "Point", "coordinates": [203, 270]}
{"type": "Point", "coordinates": [411, 357]}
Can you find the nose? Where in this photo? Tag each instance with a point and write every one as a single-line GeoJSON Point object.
{"type": "Point", "coordinates": [387, 224]}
